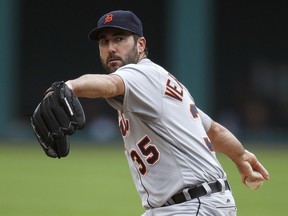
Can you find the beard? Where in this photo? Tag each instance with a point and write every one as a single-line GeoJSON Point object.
{"type": "Point", "coordinates": [131, 58]}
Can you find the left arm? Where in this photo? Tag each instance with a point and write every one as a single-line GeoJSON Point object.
{"type": "Point", "coordinates": [97, 86]}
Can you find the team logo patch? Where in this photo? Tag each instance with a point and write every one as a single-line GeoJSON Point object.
{"type": "Point", "coordinates": [108, 18]}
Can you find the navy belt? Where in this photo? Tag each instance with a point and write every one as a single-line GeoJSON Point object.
{"type": "Point", "coordinates": [198, 191]}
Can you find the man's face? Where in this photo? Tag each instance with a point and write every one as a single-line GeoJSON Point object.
{"type": "Point", "coordinates": [117, 48]}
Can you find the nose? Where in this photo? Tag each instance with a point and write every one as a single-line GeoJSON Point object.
{"type": "Point", "coordinates": [111, 47]}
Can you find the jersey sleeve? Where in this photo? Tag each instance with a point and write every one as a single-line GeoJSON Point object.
{"type": "Point", "coordinates": [206, 120]}
{"type": "Point", "coordinates": [142, 92]}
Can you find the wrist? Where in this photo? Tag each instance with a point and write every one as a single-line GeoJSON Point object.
{"type": "Point", "coordinates": [239, 157]}
{"type": "Point", "coordinates": [68, 83]}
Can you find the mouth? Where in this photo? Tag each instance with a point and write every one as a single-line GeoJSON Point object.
{"type": "Point", "coordinates": [114, 63]}
{"type": "Point", "coordinates": [113, 60]}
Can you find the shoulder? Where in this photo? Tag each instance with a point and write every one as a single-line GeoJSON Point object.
{"type": "Point", "coordinates": [143, 68]}
{"type": "Point", "coordinates": [143, 64]}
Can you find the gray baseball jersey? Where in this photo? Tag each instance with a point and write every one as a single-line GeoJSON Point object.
{"type": "Point", "coordinates": [164, 134]}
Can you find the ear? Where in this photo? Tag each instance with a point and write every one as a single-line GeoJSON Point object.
{"type": "Point", "coordinates": [141, 44]}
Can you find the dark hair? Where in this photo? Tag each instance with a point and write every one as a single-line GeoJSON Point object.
{"type": "Point", "coordinates": [136, 37]}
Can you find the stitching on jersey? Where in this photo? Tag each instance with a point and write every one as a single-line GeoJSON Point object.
{"type": "Point", "coordinates": [199, 201]}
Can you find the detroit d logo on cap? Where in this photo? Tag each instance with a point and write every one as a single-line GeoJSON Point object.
{"type": "Point", "coordinates": [108, 18]}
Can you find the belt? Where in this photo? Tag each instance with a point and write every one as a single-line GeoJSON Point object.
{"type": "Point", "coordinates": [198, 191]}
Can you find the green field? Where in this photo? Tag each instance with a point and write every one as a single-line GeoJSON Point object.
{"type": "Point", "coordinates": [97, 181]}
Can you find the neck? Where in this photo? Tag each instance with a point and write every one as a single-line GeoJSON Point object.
{"type": "Point", "coordinates": [141, 56]}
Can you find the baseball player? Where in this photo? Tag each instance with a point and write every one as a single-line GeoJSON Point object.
{"type": "Point", "coordinates": [170, 143]}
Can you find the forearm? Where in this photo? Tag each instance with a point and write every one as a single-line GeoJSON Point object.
{"type": "Point", "coordinates": [224, 141]}
{"type": "Point", "coordinates": [97, 86]}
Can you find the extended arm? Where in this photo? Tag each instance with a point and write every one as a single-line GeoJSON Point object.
{"type": "Point", "coordinates": [224, 141]}
{"type": "Point", "coordinates": [97, 86]}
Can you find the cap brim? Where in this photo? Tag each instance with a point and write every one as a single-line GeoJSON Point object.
{"type": "Point", "coordinates": [94, 34]}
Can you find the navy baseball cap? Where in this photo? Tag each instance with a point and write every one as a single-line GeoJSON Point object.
{"type": "Point", "coordinates": [120, 19]}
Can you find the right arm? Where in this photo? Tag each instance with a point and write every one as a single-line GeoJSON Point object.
{"type": "Point", "coordinates": [97, 86]}
{"type": "Point", "coordinates": [224, 141]}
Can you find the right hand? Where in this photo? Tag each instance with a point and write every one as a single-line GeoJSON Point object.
{"type": "Point", "coordinates": [250, 168]}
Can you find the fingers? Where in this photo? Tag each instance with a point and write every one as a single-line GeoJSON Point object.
{"type": "Point", "coordinates": [261, 169]}
{"type": "Point", "coordinates": [256, 165]}
{"type": "Point", "coordinates": [252, 169]}
{"type": "Point", "coordinates": [254, 184]}
{"type": "Point", "coordinates": [256, 176]}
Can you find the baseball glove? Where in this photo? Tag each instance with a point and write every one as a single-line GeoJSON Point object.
{"type": "Point", "coordinates": [57, 117]}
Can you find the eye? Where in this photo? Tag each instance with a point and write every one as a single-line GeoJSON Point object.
{"type": "Point", "coordinates": [119, 38]}
{"type": "Point", "coordinates": [103, 42]}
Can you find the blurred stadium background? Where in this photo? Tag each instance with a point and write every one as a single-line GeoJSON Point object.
{"type": "Point", "coordinates": [232, 55]}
